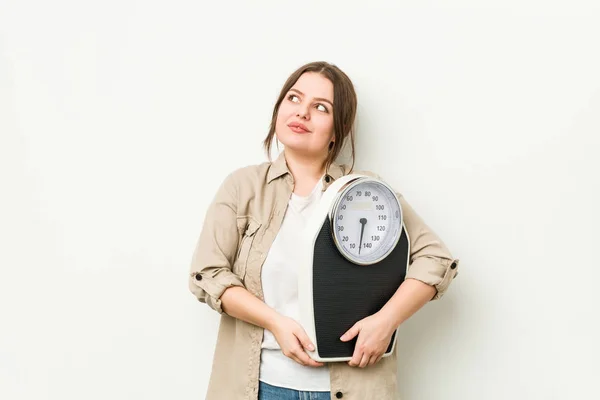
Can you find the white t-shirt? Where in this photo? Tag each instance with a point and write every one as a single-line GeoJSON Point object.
{"type": "Point", "coordinates": [280, 288]}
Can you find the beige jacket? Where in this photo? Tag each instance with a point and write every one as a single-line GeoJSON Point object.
{"type": "Point", "coordinates": [239, 228]}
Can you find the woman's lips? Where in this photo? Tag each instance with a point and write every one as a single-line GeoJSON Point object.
{"type": "Point", "coordinates": [297, 129]}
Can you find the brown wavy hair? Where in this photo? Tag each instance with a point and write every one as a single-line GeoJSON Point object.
{"type": "Point", "coordinates": [344, 108]}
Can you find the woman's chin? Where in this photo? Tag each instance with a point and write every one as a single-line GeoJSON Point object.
{"type": "Point", "coordinates": [303, 151]}
{"type": "Point", "coordinates": [296, 145]}
{"type": "Point", "coordinates": [299, 145]}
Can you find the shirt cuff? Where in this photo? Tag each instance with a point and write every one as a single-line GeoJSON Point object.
{"type": "Point", "coordinates": [209, 289]}
{"type": "Point", "coordinates": [435, 272]}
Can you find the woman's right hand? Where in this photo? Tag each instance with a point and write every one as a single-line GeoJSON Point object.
{"type": "Point", "coordinates": [293, 340]}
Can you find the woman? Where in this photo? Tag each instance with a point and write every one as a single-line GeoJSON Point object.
{"type": "Point", "coordinates": [241, 267]}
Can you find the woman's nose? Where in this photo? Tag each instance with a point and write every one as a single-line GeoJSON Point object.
{"type": "Point", "coordinates": [303, 112]}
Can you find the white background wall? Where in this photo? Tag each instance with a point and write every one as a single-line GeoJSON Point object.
{"type": "Point", "coordinates": [119, 119]}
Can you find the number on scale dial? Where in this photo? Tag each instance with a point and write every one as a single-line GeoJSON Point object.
{"type": "Point", "coordinates": [367, 221]}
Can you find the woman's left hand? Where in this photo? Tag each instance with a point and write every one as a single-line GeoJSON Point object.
{"type": "Point", "coordinates": [374, 335]}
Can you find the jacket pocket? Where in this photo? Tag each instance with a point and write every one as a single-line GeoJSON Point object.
{"type": "Point", "coordinates": [248, 226]}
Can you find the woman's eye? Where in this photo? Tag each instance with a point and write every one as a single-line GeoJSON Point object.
{"type": "Point", "coordinates": [320, 106]}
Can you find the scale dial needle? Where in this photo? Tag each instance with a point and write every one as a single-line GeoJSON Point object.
{"type": "Point", "coordinates": [363, 221]}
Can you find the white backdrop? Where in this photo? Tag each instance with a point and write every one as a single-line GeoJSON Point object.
{"type": "Point", "coordinates": [119, 119]}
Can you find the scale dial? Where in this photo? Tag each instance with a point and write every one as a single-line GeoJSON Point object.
{"type": "Point", "coordinates": [366, 221]}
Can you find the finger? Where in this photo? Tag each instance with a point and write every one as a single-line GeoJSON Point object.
{"type": "Point", "coordinates": [374, 359]}
{"type": "Point", "coordinates": [356, 357]}
{"type": "Point", "coordinates": [304, 339]}
{"type": "Point", "coordinates": [307, 360]}
{"type": "Point", "coordinates": [299, 361]}
{"type": "Point", "coordinates": [350, 333]}
{"type": "Point", "coordinates": [292, 356]}
{"type": "Point", "coordinates": [364, 360]}
{"type": "Point", "coordinates": [299, 352]}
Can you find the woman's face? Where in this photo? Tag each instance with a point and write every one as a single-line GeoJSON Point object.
{"type": "Point", "coordinates": [310, 103]}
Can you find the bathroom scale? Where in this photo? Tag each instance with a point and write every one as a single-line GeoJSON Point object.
{"type": "Point", "coordinates": [355, 258]}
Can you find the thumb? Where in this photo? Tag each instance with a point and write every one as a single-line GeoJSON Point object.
{"type": "Point", "coordinates": [351, 333]}
{"type": "Point", "coordinates": [304, 340]}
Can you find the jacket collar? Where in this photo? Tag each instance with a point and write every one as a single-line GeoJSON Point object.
{"type": "Point", "coordinates": [279, 168]}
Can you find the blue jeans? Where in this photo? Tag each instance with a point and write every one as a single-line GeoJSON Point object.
{"type": "Point", "coordinates": [269, 392]}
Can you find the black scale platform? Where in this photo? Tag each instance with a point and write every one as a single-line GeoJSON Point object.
{"type": "Point", "coordinates": [344, 293]}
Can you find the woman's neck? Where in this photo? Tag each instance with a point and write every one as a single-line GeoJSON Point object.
{"type": "Point", "coordinates": [306, 171]}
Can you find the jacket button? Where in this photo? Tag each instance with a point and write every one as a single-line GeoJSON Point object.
{"type": "Point", "coordinates": [198, 277]}
{"type": "Point", "coordinates": [327, 179]}
{"type": "Point", "coordinates": [453, 266]}
{"type": "Point", "coordinates": [339, 395]}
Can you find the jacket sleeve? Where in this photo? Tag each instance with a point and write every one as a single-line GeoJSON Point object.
{"type": "Point", "coordinates": [210, 272]}
{"type": "Point", "coordinates": [430, 260]}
